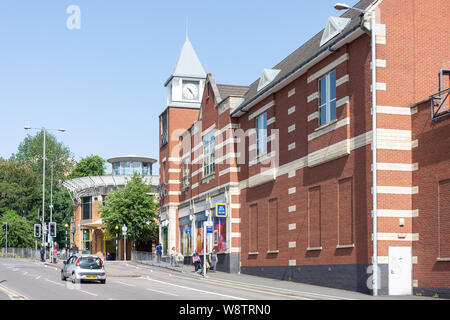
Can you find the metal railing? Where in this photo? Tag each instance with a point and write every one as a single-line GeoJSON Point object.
{"type": "Point", "coordinates": [28, 253]}
{"type": "Point", "coordinates": [24, 253]}
{"type": "Point", "coordinates": [150, 258]}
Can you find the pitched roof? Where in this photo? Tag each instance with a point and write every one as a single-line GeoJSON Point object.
{"type": "Point", "coordinates": [227, 90]}
{"type": "Point", "coordinates": [308, 51]}
{"type": "Point", "coordinates": [188, 64]}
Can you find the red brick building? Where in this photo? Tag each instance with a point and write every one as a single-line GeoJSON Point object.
{"type": "Point", "coordinates": [298, 169]}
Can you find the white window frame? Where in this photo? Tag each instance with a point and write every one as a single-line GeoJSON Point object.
{"type": "Point", "coordinates": [330, 103]}
{"type": "Point", "coordinates": [209, 154]}
{"type": "Point", "coordinates": [261, 135]}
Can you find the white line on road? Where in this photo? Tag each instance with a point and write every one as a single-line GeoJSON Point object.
{"type": "Point", "coordinates": [176, 285]}
{"type": "Point", "coordinates": [59, 284]}
{"type": "Point", "coordinates": [92, 294]}
{"type": "Point", "coordinates": [169, 294]}
{"type": "Point", "coordinates": [126, 284]}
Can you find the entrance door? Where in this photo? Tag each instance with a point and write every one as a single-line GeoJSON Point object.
{"type": "Point", "coordinates": [400, 271]}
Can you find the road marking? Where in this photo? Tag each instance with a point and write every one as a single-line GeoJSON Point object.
{"type": "Point", "coordinates": [59, 284]}
{"type": "Point", "coordinates": [92, 294]}
{"type": "Point", "coordinates": [198, 290]}
{"type": "Point", "coordinates": [170, 294]}
{"type": "Point", "coordinates": [12, 294]}
{"type": "Point", "coordinates": [126, 284]}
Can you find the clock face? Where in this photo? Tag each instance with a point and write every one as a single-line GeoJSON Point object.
{"type": "Point", "coordinates": [190, 90]}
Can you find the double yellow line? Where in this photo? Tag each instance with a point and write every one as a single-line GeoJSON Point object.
{"type": "Point", "coordinates": [12, 294]}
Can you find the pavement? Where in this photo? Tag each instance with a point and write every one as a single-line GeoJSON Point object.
{"type": "Point", "coordinates": [274, 285]}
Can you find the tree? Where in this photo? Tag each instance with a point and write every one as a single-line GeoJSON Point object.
{"type": "Point", "coordinates": [132, 206]}
{"type": "Point", "coordinates": [19, 188]}
{"type": "Point", "coordinates": [30, 152]}
{"type": "Point", "coordinates": [89, 166]}
{"type": "Point", "coordinates": [20, 234]}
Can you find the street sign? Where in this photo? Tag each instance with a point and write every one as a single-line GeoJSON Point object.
{"type": "Point", "coordinates": [124, 230]}
{"type": "Point", "coordinates": [209, 229]}
{"type": "Point", "coordinates": [221, 210]}
{"type": "Point", "coordinates": [188, 231]}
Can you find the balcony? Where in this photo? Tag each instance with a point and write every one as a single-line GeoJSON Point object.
{"type": "Point", "coordinates": [440, 104]}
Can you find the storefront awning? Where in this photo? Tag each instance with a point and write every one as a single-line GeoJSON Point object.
{"type": "Point", "coordinates": [94, 225]}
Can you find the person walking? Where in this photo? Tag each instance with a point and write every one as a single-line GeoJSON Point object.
{"type": "Point", "coordinates": [213, 259]}
{"type": "Point", "coordinates": [55, 254]}
{"type": "Point", "coordinates": [196, 261]}
{"type": "Point", "coordinates": [42, 252]}
{"type": "Point", "coordinates": [159, 252]}
{"type": "Point", "coordinates": [173, 255]}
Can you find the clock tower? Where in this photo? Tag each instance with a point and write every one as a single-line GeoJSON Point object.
{"type": "Point", "coordinates": [186, 83]}
{"type": "Point", "coordinates": [185, 88]}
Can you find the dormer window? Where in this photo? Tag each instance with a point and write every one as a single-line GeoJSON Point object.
{"type": "Point", "coordinates": [334, 27]}
{"type": "Point", "coordinates": [267, 77]}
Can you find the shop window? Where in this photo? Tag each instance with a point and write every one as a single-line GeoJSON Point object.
{"type": "Point", "coordinates": [219, 239]}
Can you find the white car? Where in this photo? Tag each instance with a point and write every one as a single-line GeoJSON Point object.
{"type": "Point", "coordinates": [84, 267]}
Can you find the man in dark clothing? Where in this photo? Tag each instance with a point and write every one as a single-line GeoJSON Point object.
{"type": "Point", "coordinates": [42, 253]}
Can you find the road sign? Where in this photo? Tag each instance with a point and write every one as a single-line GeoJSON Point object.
{"type": "Point", "coordinates": [188, 231]}
{"type": "Point", "coordinates": [221, 210]}
{"type": "Point", "coordinates": [124, 230]}
{"type": "Point", "coordinates": [209, 229]}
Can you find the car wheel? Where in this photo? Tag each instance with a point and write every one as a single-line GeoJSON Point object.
{"type": "Point", "coordinates": [62, 276]}
{"type": "Point", "coordinates": [74, 279]}
{"type": "Point", "coordinates": [102, 281]}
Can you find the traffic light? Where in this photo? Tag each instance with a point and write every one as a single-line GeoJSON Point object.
{"type": "Point", "coordinates": [37, 230]}
{"type": "Point", "coordinates": [52, 229]}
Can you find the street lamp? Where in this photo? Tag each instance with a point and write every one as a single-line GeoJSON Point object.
{"type": "Point", "coordinates": [343, 6]}
{"type": "Point", "coordinates": [117, 250]}
{"type": "Point", "coordinates": [66, 226]}
{"type": "Point", "coordinates": [44, 130]}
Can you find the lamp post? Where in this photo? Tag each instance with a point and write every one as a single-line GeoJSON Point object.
{"type": "Point", "coordinates": [66, 226]}
{"type": "Point", "coordinates": [44, 130]}
{"type": "Point", "coordinates": [117, 250]}
{"type": "Point", "coordinates": [343, 6]}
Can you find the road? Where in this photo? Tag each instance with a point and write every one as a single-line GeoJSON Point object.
{"type": "Point", "coordinates": [22, 279]}
{"type": "Point", "coordinates": [33, 280]}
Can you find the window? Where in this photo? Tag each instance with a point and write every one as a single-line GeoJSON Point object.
{"type": "Point", "coordinates": [208, 154]}
{"type": "Point", "coordinates": [261, 134]}
{"type": "Point", "coordinates": [327, 98]}
{"type": "Point", "coordinates": [86, 208]}
{"type": "Point", "coordinates": [164, 129]}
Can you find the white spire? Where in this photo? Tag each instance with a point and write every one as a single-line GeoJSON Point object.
{"type": "Point", "coordinates": [188, 64]}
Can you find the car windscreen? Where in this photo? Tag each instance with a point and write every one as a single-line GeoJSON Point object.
{"type": "Point", "coordinates": [90, 263]}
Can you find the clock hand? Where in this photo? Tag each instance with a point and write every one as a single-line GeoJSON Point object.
{"type": "Point", "coordinates": [190, 90]}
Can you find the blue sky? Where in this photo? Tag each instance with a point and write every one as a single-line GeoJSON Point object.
{"type": "Point", "coordinates": [104, 83]}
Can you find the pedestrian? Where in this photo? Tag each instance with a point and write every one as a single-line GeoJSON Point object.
{"type": "Point", "coordinates": [159, 252]}
{"type": "Point", "coordinates": [42, 252]}
{"type": "Point", "coordinates": [55, 254]}
{"type": "Point", "coordinates": [196, 261]}
{"type": "Point", "coordinates": [173, 254]}
{"type": "Point", "coordinates": [213, 259]}
{"type": "Point", "coordinates": [180, 259]}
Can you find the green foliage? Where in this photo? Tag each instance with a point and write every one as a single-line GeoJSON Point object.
{"type": "Point", "coordinates": [89, 166]}
{"type": "Point", "coordinates": [20, 234]}
{"type": "Point", "coordinates": [18, 188]}
{"type": "Point", "coordinates": [30, 152]}
{"type": "Point", "coordinates": [132, 206]}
